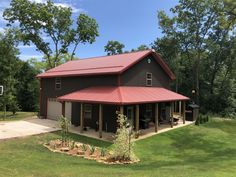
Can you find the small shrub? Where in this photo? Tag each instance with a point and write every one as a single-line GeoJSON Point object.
{"type": "Point", "coordinates": [123, 147]}
{"type": "Point", "coordinates": [203, 119]}
{"type": "Point", "coordinates": [103, 152]}
{"type": "Point", "coordinates": [72, 145]}
{"type": "Point", "coordinates": [207, 118]}
{"type": "Point", "coordinates": [64, 124]}
{"type": "Point", "coordinates": [92, 149]}
{"type": "Point", "coordinates": [14, 107]}
{"type": "Point", "coordinates": [84, 147]}
{"type": "Point", "coordinates": [198, 120]}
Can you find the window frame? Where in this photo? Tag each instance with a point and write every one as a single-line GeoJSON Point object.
{"type": "Point", "coordinates": [148, 79]}
{"type": "Point", "coordinates": [88, 111]}
{"type": "Point", "coordinates": [57, 83]}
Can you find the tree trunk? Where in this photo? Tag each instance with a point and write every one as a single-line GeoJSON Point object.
{"type": "Point", "coordinates": [197, 80]}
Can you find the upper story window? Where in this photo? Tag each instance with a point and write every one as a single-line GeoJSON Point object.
{"type": "Point", "coordinates": [58, 83]}
{"type": "Point", "coordinates": [148, 79]}
{"type": "Point", "coordinates": [87, 111]}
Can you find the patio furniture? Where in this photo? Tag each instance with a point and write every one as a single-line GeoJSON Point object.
{"type": "Point", "coordinates": [144, 123]}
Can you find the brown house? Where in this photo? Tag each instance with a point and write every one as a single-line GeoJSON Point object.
{"type": "Point", "coordinates": [91, 91]}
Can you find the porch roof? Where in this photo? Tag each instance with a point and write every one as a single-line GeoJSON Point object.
{"type": "Point", "coordinates": [122, 95]}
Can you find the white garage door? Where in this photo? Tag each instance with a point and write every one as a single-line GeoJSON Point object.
{"type": "Point", "coordinates": [55, 109]}
{"type": "Point", "coordinates": [68, 109]}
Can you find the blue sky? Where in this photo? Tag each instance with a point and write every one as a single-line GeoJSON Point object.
{"type": "Point", "coordinates": [131, 22]}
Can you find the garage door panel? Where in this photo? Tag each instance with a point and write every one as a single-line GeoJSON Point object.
{"type": "Point", "coordinates": [54, 109]}
{"type": "Point", "coordinates": [68, 109]}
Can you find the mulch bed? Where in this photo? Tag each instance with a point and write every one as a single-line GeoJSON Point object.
{"type": "Point", "coordinates": [83, 150]}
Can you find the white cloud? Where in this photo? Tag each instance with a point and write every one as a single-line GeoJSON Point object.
{"type": "Point", "coordinates": [62, 4]}
{"type": "Point", "coordinates": [26, 46]}
{"type": "Point", "coordinates": [26, 57]}
{"type": "Point", "coordinates": [46, 38]}
{"type": "Point", "coordinates": [38, 1]}
{"type": "Point", "coordinates": [74, 9]}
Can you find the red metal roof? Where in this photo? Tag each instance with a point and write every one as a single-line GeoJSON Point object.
{"type": "Point", "coordinates": [123, 95]}
{"type": "Point", "coordinates": [114, 64]}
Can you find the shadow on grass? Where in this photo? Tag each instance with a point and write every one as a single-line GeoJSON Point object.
{"type": "Point", "coordinates": [80, 138]}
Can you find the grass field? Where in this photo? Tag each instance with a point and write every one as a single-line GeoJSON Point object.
{"type": "Point", "coordinates": [17, 116]}
{"type": "Point", "coordinates": [208, 150]}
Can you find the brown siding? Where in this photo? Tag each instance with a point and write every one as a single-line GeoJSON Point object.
{"type": "Point", "coordinates": [136, 75]}
{"type": "Point", "coordinates": [71, 84]}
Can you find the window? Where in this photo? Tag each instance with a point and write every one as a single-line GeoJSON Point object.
{"type": "Point", "coordinates": [58, 83]}
{"type": "Point", "coordinates": [87, 111]}
{"type": "Point", "coordinates": [148, 79]}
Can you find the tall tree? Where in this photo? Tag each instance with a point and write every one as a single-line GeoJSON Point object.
{"type": "Point", "coordinates": [191, 25]}
{"type": "Point", "coordinates": [8, 67]}
{"type": "Point", "coordinates": [37, 20]}
{"type": "Point", "coordinates": [27, 87]}
{"type": "Point", "coordinates": [114, 47]}
{"type": "Point", "coordinates": [43, 65]}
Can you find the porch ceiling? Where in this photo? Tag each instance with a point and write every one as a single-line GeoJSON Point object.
{"type": "Point", "coordinates": [123, 95]}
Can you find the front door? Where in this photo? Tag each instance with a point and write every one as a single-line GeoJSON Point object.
{"type": "Point", "coordinates": [130, 115]}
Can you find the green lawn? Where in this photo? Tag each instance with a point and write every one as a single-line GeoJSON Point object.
{"type": "Point", "coordinates": [208, 150]}
{"type": "Point", "coordinates": [17, 116]}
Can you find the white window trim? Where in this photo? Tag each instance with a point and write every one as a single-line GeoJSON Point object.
{"type": "Point", "coordinates": [57, 82]}
{"type": "Point", "coordinates": [148, 79]}
{"type": "Point", "coordinates": [88, 109]}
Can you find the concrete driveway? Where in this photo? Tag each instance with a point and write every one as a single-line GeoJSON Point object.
{"type": "Point", "coordinates": [26, 127]}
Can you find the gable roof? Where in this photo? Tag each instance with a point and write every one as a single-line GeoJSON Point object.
{"type": "Point", "coordinates": [113, 64]}
{"type": "Point", "coordinates": [123, 95]}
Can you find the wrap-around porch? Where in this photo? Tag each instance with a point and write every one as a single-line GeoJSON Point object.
{"type": "Point", "coordinates": [145, 108]}
{"type": "Point", "coordinates": [144, 133]}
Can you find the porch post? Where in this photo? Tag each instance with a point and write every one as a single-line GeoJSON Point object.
{"type": "Point", "coordinates": [121, 109]}
{"type": "Point", "coordinates": [180, 108]}
{"type": "Point", "coordinates": [156, 116]}
{"type": "Point", "coordinates": [63, 108]}
{"type": "Point", "coordinates": [183, 112]}
{"type": "Point", "coordinates": [100, 120]}
{"type": "Point", "coordinates": [136, 117]}
{"type": "Point", "coordinates": [171, 113]}
{"type": "Point", "coordinates": [81, 118]}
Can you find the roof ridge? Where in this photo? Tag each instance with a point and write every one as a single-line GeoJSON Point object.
{"type": "Point", "coordinates": [89, 58]}
{"type": "Point", "coordinates": [84, 69]}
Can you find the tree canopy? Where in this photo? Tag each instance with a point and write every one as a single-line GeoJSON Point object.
{"type": "Point", "coordinates": [8, 67]}
{"type": "Point", "coordinates": [40, 20]}
{"type": "Point", "coordinates": [114, 47]}
{"type": "Point", "coordinates": [140, 48]}
{"type": "Point", "coordinates": [199, 45]}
